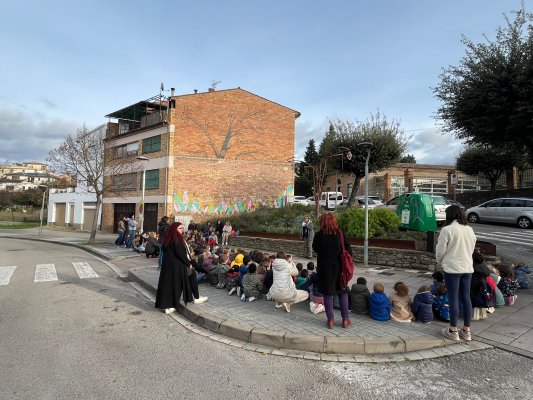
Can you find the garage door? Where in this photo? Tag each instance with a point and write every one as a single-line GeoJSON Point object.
{"type": "Point", "coordinates": [88, 215]}
{"type": "Point", "coordinates": [60, 214]}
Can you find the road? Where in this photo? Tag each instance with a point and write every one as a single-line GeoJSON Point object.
{"type": "Point", "coordinates": [95, 337]}
{"type": "Point", "coordinates": [512, 243]}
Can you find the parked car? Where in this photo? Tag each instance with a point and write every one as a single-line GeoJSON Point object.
{"type": "Point", "coordinates": [440, 204]}
{"type": "Point", "coordinates": [456, 203]}
{"type": "Point", "coordinates": [376, 199]}
{"type": "Point", "coordinates": [508, 210]}
{"type": "Point", "coordinates": [360, 203]}
{"type": "Point", "coordinates": [300, 200]}
{"type": "Point", "coordinates": [311, 201]}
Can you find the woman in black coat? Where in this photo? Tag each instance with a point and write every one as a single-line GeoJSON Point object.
{"type": "Point", "coordinates": [177, 278]}
{"type": "Point", "coordinates": [328, 247]}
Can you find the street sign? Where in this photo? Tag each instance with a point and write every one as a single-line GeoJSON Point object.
{"type": "Point", "coordinates": [453, 179]}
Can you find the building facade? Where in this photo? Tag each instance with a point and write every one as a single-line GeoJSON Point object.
{"type": "Point", "coordinates": [201, 154]}
{"type": "Point", "coordinates": [72, 207]}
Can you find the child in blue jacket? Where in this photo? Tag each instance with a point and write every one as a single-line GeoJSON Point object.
{"type": "Point", "coordinates": [422, 306]}
{"type": "Point", "coordinates": [379, 303]}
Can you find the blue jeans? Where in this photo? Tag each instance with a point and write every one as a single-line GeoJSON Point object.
{"type": "Point", "coordinates": [120, 240]}
{"type": "Point", "coordinates": [130, 239]}
{"type": "Point", "coordinates": [458, 287]}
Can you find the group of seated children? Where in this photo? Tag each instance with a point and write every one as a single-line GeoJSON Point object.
{"type": "Point", "coordinates": [250, 276]}
{"type": "Point", "coordinates": [146, 242]}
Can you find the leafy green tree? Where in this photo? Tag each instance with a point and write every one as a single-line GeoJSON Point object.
{"type": "Point", "coordinates": [388, 144]}
{"type": "Point", "coordinates": [486, 161]}
{"type": "Point", "coordinates": [408, 159]}
{"type": "Point", "coordinates": [488, 98]}
{"type": "Point", "coordinates": [303, 183]}
{"type": "Point", "coordinates": [30, 197]}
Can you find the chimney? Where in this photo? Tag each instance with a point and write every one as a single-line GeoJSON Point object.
{"type": "Point", "coordinates": [211, 89]}
{"type": "Point", "coordinates": [195, 91]}
{"type": "Point", "coordinates": [172, 90]}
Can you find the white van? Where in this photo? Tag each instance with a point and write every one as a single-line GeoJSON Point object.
{"type": "Point", "coordinates": [331, 200]}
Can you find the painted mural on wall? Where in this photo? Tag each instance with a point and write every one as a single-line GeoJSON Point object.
{"type": "Point", "coordinates": [194, 204]}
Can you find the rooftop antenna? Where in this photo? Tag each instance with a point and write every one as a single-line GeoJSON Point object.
{"type": "Point", "coordinates": [214, 84]}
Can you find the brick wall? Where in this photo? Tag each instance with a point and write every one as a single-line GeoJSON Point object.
{"type": "Point", "coordinates": [231, 150]}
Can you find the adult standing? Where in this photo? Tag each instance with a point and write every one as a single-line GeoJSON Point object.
{"type": "Point", "coordinates": [178, 277]}
{"type": "Point", "coordinates": [454, 250]}
{"type": "Point", "coordinates": [218, 229]}
{"type": "Point", "coordinates": [161, 229]}
{"type": "Point", "coordinates": [283, 289]}
{"type": "Point", "coordinates": [307, 233]}
{"type": "Point", "coordinates": [132, 229]}
{"type": "Point", "coordinates": [226, 232]}
{"type": "Point", "coordinates": [121, 229]}
{"type": "Point", "coordinates": [328, 246]}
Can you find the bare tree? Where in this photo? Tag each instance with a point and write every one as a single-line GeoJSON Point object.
{"type": "Point", "coordinates": [240, 128]}
{"type": "Point", "coordinates": [82, 155]}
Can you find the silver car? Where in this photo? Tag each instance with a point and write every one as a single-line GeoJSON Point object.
{"type": "Point", "coordinates": [508, 210]}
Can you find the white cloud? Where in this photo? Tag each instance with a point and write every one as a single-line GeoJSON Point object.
{"type": "Point", "coordinates": [29, 136]}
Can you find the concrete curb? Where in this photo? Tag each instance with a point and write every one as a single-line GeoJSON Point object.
{"type": "Point", "coordinates": [351, 345]}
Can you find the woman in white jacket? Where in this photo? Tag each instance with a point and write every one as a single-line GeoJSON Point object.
{"type": "Point", "coordinates": [283, 289]}
{"type": "Point", "coordinates": [454, 250]}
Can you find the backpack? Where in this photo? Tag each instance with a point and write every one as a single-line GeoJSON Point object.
{"type": "Point", "coordinates": [347, 264]}
{"type": "Point", "coordinates": [485, 297]}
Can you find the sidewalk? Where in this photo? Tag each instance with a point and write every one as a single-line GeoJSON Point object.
{"type": "Point", "coordinates": [300, 333]}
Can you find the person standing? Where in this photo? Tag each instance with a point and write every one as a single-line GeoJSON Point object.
{"type": "Point", "coordinates": [328, 247]}
{"type": "Point", "coordinates": [121, 229]}
{"type": "Point", "coordinates": [161, 229]}
{"type": "Point", "coordinates": [453, 252]}
{"type": "Point", "coordinates": [132, 229]}
{"type": "Point", "coordinates": [226, 232]}
{"type": "Point", "coordinates": [178, 277]}
{"type": "Point", "coordinates": [307, 233]}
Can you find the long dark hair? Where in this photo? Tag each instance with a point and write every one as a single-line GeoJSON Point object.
{"type": "Point", "coordinates": [172, 235]}
{"type": "Point", "coordinates": [454, 213]}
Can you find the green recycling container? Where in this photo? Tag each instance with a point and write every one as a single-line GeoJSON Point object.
{"type": "Point", "coordinates": [416, 212]}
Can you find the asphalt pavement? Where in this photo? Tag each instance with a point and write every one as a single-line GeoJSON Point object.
{"type": "Point", "coordinates": [259, 326]}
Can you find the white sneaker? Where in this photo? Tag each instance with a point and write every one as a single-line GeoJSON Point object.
{"type": "Point", "coordinates": [250, 299]}
{"type": "Point", "coordinates": [278, 305]}
{"type": "Point", "coordinates": [452, 335]}
{"type": "Point", "coordinates": [200, 300]}
{"type": "Point", "coordinates": [231, 291]}
{"type": "Point", "coordinates": [286, 307]}
{"type": "Point", "coordinates": [243, 297]}
{"type": "Point", "coordinates": [466, 335]}
{"type": "Point", "coordinates": [239, 291]}
{"type": "Point", "coordinates": [169, 310]}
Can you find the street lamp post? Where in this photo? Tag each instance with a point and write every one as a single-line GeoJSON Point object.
{"type": "Point", "coordinates": [143, 158]}
{"type": "Point", "coordinates": [368, 147]}
{"type": "Point", "coordinates": [42, 209]}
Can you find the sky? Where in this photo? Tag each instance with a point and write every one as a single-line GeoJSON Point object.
{"type": "Point", "coordinates": [65, 64]}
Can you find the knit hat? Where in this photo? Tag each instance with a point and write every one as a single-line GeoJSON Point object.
{"type": "Point", "coordinates": [238, 260]}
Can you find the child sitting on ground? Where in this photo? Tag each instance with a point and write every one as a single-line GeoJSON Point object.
{"type": "Point", "coordinates": [222, 272]}
{"type": "Point", "coordinates": [379, 304]}
{"type": "Point", "coordinates": [422, 306]}
{"type": "Point", "coordinates": [302, 279]}
{"type": "Point", "coordinates": [441, 308]}
{"type": "Point", "coordinates": [507, 284]}
{"type": "Point", "coordinates": [495, 275]}
{"type": "Point", "coordinates": [438, 277]}
{"type": "Point", "coordinates": [151, 247]}
{"type": "Point", "coordinates": [212, 272]}
{"type": "Point", "coordinates": [251, 284]}
{"type": "Point", "coordinates": [522, 272]}
{"type": "Point", "coordinates": [401, 303]}
{"type": "Point", "coordinates": [359, 297]}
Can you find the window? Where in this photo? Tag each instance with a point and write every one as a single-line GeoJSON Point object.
{"type": "Point", "coordinates": [151, 180]}
{"type": "Point", "coordinates": [129, 149]}
{"type": "Point", "coordinates": [152, 144]}
{"type": "Point", "coordinates": [513, 203]}
{"type": "Point", "coordinates": [124, 181]}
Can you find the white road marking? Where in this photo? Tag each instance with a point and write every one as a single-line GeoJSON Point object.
{"type": "Point", "coordinates": [5, 275]}
{"type": "Point", "coordinates": [45, 273]}
{"type": "Point", "coordinates": [84, 270]}
{"type": "Point", "coordinates": [498, 239]}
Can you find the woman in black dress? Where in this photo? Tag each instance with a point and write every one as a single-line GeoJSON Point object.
{"type": "Point", "coordinates": [177, 278]}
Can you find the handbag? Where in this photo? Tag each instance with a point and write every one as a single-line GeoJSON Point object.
{"type": "Point", "coordinates": [347, 264]}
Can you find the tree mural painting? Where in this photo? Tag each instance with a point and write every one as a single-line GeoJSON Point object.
{"type": "Point", "coordinates": [240, 129]}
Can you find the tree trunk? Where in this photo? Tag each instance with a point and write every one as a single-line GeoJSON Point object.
{"type": "Point", "coordinates": [356, 184]}
{"type": "Point", "coordinates": [92, 238]}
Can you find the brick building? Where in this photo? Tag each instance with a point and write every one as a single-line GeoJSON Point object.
{"type": "Point", "coordinates": [204, 154]}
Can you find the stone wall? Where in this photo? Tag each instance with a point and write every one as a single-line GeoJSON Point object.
{"type": "Point", "coordinates": [408, 259]}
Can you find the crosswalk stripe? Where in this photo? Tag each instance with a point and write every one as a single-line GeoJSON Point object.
{"type": "Point", "coordinates": [5, 274]}
{"type": "Point", "coordinates": [45, 273]}
{"type": "Point", "coordinates": [488, 236]}
{"type": "Point", "coordinates": [84, 270]}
